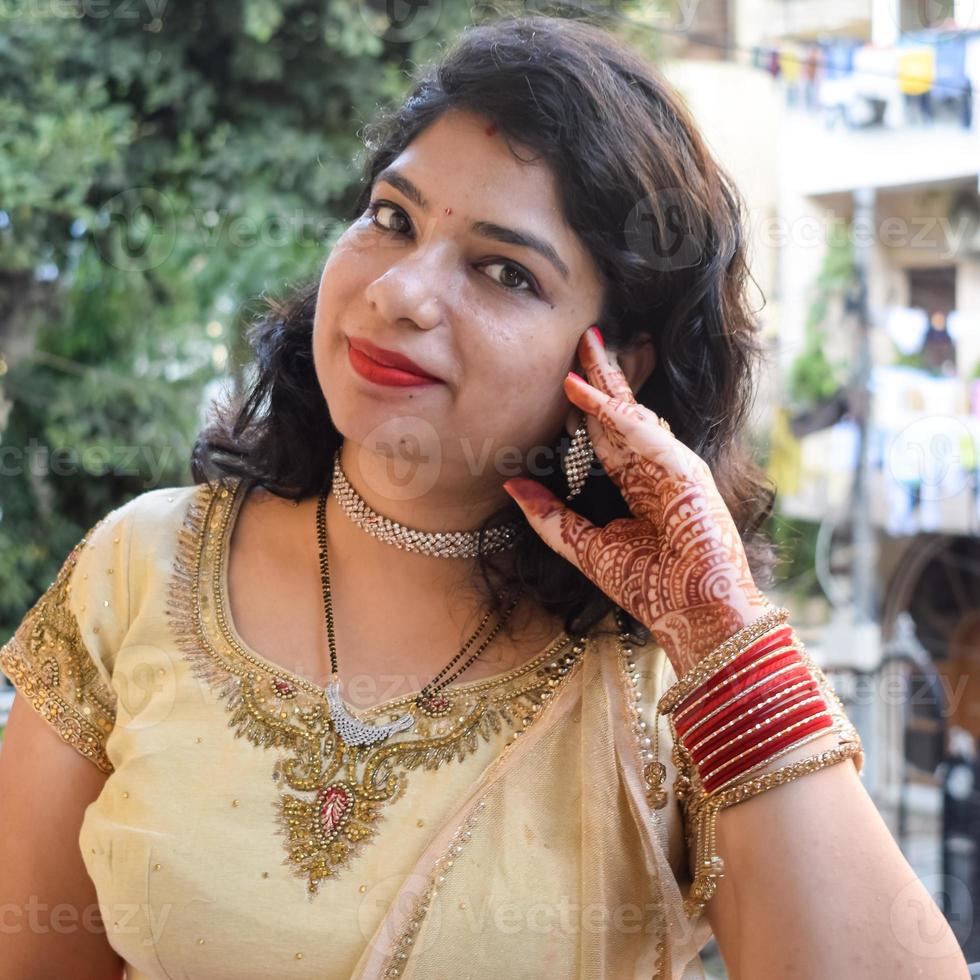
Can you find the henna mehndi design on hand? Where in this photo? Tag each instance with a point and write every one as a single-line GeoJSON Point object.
{"type": "Point", "coordinates": [678, 565]}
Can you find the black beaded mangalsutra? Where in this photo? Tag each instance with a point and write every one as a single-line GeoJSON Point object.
{"type": "Point", "coordinates": [429, 701]}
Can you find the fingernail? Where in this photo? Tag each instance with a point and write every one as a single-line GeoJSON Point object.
{"type": "Point", "coordinates": [598, 334]}
{"type": "Point", "coordinates": [532, 495]}
{"type": "Point", "coordinates": [576, 376]}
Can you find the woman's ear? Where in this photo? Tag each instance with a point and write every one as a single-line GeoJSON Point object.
{"type": "Point", "coordinates": [636, 365]}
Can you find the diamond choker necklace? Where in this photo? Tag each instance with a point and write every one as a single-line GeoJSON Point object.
{"type": "Point", "coordinates": [442, 544]}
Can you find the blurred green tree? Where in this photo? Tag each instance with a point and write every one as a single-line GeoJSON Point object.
{"type": "Point", "coordinates": [165, 164]}
{"type": "Point", "coordinates": [822, 368]}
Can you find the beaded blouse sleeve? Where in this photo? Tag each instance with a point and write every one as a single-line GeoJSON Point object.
{"type": "Point", "coordinates": [61, 657]}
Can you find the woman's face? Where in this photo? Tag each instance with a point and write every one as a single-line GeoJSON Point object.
{"type": "Point", "coordinates": [497, 322]}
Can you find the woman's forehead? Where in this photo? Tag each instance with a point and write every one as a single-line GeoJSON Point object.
{"type": "Point", "coordinates": [461, 154]}
{"type": "Point", "coordinates": [462, 167]}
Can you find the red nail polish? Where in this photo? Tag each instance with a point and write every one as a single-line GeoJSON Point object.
{"type": "Point", "coordinates": [598, 334]}
{"type": "Point", "coordinates": [576, 376]}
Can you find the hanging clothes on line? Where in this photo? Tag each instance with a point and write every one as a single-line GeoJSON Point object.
{"type": "Point", "coordinates": [812, 61]}
{"type": "Point", "coordinates": [877, 97]}
{"type": "Point", "coordinates": [773, 65]}
{"type": "Point", "coordinates": [916, 74]}
{"type": "Point", "coordinates": [837, 58]}
{"type": "Point", "coordinates": [791, 57]}
{"type": "Point", "coordinates": [950, 49]}
{"type": "Point", "coordinates": [761, 56]}
{"type": "Point", "coordinates": [971, 70]}
{"type": "Point", "coordinates": [835, 87]}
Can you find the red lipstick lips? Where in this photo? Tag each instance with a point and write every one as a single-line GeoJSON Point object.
{"type": "Point", "coordinates": [386, 367]}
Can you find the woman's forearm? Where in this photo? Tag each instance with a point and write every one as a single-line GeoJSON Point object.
{"type": "Point", "coordinates": [815, 886]}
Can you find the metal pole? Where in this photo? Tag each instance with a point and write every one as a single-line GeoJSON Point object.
{"type": "Point", "coordinates": [865, 550]}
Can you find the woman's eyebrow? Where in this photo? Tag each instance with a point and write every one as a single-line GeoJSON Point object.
{"type": "Point", "coordinates": [485, 229]}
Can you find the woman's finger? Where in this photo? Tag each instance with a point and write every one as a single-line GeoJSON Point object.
{"type": "Point", "coordinates": [559, 527]}
{"type": "Point", "coordinates": [628, 425]}
{"type": "Point", "coordinates": [599, 369]}
{"type": "Point", "coordinates": [653, 456]}
{"type": "Point", "coordinates": [606, 376]}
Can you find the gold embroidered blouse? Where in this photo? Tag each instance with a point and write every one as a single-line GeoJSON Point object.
{"type": "Point", "coordinates": [237, 836]}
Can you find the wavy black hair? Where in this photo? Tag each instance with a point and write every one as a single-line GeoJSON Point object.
{"type": "Point", "coordinates": [661, 219]}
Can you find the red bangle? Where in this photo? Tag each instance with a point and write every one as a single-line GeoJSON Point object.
{"type": "Point", "coordinates": [742, 714]}
{"type": "Point", "coordinates": [717, 777]}
{"type": "Point", "coordinates": [759, 648]}
{"type": "Point", "coordinates": [788, 686]}
{"type": "Point", "coordinates": [734, 734]}
{"type": "Point", "coordinates": [791, 658]}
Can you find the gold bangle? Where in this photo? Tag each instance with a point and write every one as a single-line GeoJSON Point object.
{"type": "Point", "coordinates": [790, 644]}
{"type": "Point", "coordinates": [688, 784]}
{"type": "Point", "coordinates": [720, 657]}
{"type": "Point", "coordinates": [709, 865]}
{"type": "Point", "coordinates": [778, 754]}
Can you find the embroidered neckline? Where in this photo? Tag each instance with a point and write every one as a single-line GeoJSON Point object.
{"type": "Point", "coordinates": [272, 707]}
{"type": "Point", "coordinates": [215, 591]}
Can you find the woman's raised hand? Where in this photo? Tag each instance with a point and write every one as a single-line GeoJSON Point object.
{"type": "Point", "coordinates": [678, 565]}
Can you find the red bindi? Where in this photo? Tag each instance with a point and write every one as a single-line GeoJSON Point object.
{"type": "Point", "coordinates": [491, 129]}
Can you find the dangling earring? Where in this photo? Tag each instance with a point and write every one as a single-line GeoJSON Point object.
{"type": "Point", "coordinates": [576, 462]}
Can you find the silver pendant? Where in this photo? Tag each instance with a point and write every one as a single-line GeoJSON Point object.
{"type": "Point", "coordinates": [354, 731]}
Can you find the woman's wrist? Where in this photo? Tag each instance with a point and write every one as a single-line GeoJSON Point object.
{"type": "Point", "coordinates": [750, 627]}
{"type": "Point", "coordinates": [688, 636]}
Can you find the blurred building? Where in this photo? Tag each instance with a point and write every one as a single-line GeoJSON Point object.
{"type": "Point", "coordinates": [853, 130]}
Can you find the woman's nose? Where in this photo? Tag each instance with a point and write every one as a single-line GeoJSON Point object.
{"type": "Point", "coordinates": [416, 287]}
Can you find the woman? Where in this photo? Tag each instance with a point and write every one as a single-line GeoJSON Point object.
{"type": "Point", "coordinates": [305, 762]}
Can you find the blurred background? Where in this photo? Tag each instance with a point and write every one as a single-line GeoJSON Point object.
{"type": "Point", "coordinates": [167, 166]}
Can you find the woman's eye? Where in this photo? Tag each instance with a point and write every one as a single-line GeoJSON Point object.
{"type": "Point", "coordinates": [521, 275]}
{"type": "Point", "coordinates": [375, 206]}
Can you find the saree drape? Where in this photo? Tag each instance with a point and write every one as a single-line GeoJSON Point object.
{"type": "Point", "coordinates": [554, 864]}
{"type": "Point", "coordinates": [233, 839]}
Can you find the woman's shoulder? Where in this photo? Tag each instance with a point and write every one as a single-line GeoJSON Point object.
{"type": "Point", "coordinates": [139, 538]}
{"type": "Point", "coordinates": [152, 521]}
{"type": "Point", "coordinates": [62, 656]}
{"type": "Point", "coordinates": [97, 575]}
{"type": "Point", "coordinates": [163, 509]}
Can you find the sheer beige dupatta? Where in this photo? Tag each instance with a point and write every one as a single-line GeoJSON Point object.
{"type": "Point", "coordinates": [555, 864]}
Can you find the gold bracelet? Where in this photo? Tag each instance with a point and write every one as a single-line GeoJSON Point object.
{"type": "Point", "coordinates": [778, 754]}
{"type": "Point", "coordinates": [688, 785]}
{"type": "Point", "coordinates": [709, 865]}
{"type": "Point", "coordinates": [655, 772]}
{"type": "Point", "coordinates": [689, 750]}
{"type": "Point", "coordinates": [701, 808]}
